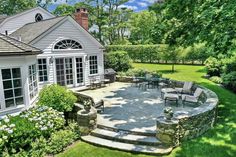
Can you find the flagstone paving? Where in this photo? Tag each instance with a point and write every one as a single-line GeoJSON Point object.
{"type": "Point", "coordinates": [130, 108]}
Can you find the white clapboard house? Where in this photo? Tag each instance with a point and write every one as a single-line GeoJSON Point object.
{"type": "Point", "coordinates": [37, 48]}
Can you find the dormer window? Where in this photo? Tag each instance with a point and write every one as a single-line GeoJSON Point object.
{"type": "Point", "coordinates": [67, 44]}
{"type": "Point", "coordinates": [38, 17]}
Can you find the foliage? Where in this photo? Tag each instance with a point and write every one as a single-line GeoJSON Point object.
{"type": "Point", "coordinates": [10, 7]}
{"type": "Point", "coordinates": [216, 79]}
{"type": "Point", "coordinates": [229, 80]}
{"type": "Point", "coordinates": [57, 97]}
{"type": "Point", "coordinates": [213, 66]}
{"type": "Point", "coordinates": [142, 24]}
{"type": "Point", "coordinates": [140, 73]}
{"type": "Point", "coordinates": [118, 60]}
{"type": "Point", "coordinates": [229, 64]}
{"type": "Point", "coordinates": [142, 53]}
{"type": "Point", "coordinates": [189, 22]}
{"type": "Point", "coordinates": [57, 144]}
{"type": "Point", "coordinates": [18, 132]}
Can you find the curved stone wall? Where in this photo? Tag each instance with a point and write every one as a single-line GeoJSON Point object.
{"type": "Point", "coordinates": [193, 123]}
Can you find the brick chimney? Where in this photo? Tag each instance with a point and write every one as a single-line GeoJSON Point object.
{"type": "Point", "coordinates": [81, 16]}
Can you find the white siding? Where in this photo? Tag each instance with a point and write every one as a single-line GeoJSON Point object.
{"type": "Point", "coordinates": [23, 63]}
{"type": "Point", "coordinates": [15, 22]}
{"type": "Point", "coordinates": [68, 30]}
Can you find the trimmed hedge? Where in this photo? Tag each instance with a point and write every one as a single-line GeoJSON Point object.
{"type": "Point", "coordinates": [141, 53]}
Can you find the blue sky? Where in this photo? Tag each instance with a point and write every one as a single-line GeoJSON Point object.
{"type": "Point", "coordinates": [136, 5]}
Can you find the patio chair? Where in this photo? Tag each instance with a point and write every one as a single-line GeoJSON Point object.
{"type": "Point", "coordinates": [104, 81]}
{"type": "Point", "coordinates": [186, 88]}
{"type": "Point", "coordinates": [95, 82]}
{"type": "Point", "coordinates": [135, 81]}
{"type": "Point", "coordinates": [192, 99]}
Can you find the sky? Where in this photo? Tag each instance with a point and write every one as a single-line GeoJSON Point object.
{"type": "Point", "coordinates": [136, 5]}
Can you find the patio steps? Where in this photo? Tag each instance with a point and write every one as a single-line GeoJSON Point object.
{"type": "Point", "coordinates": [127, 141]}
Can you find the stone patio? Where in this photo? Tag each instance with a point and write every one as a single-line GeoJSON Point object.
{"type": "Point", "coordinates": [130, 108]}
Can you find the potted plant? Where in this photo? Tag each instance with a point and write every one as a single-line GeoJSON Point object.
{"type": "Point", "coordinates": [168, 112]}
{"type": "Point", "coordinates": [87, 105]}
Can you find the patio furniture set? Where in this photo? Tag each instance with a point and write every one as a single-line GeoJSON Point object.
{"type": "Point", "coordinates": [98, 81]}
{"type": "Point", "coordinates": [173, 94]}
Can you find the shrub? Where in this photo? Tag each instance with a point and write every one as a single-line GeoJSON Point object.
{"type": "Point", "coordinates": [229, 80]}
{"type": "Point", "coordinates": [216, 79]}
{"type": "Point", "coordinates": [118, 60]}
{"type": "Point", "coordinates": [20, 131]}
{"type": "Point", "coordinates": [141, 53]}
{"type": "Point", "coordinates": [58, 144]}
{"type": "Point", "coordinates": [139, 73]}
{"type": "Point", "coordinates": [57, 97]}
{"type": "Point", "coordinates": [230, 65]}
{"type": "Point", "coordinates": [213, 66]}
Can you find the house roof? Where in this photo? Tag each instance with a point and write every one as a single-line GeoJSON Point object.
{"type": "Point", "coordinates": [4, 18]}
{"type": "Point", "coordinates": [12, 47]}
{"type": "Point", "coordinates": [30, 31]}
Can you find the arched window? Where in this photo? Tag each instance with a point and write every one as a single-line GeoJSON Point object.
{"type": "Point", "coordinates": [38, 17]}
{"type": "Point", "coordinates": [67, 44]}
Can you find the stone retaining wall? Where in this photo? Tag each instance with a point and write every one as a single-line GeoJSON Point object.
{"type": "Point", "coordinates": [193, 123]}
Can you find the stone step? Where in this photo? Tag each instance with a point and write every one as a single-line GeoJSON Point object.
{"type": "Point", "coordinates": [135, 148]}
{"type": "Point", "coordinates": [128, 131]}
{"type": "Point", "coordinates": [126, 137]}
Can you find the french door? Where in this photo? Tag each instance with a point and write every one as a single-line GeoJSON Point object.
{"type": "Point", "coordinates": [79, 71]}
{"type": "Point", "coordinates": [64, 71]}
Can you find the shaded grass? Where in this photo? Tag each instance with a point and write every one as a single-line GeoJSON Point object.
{"type": "Point", "coordinates": [217, 142]}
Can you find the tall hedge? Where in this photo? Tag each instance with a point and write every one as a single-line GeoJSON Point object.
{"type": "Point", "coordinates": [141, 53]}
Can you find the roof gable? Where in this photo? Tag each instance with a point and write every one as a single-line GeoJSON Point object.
{"type": "Point", "coordinates": [13, 47]}
{"type": "Point", "coordinates": [6, 18]}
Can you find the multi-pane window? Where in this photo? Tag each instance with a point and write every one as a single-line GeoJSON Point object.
{"type": "Point", "coordinates": [42, 70]}
{"type": "Point", "coordinates": [93, 64]}
{"type": "Point", "coordinates": [79, 70]}
{"type": "Point", "coordinates": [33, 83]}
{"type": "Point", "coordinates": [12, 87]}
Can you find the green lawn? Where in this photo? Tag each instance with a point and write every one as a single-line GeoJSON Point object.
{"type": "Point", "coordinates": [217, 142]}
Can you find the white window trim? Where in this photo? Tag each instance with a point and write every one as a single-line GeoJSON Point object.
{"type": "Point", "coordinates": [96, 74]}
{"type": "Point", "coordinates": [30, 91]}
{"type": "Point", "coordinates": [2, 97]}
{"type": "Point", "coordinates": [47, 66]}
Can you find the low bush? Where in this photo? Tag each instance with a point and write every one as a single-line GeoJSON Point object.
{"type": "Point", "coordinates": [141, 53]}
{"type": "Point", "coordinates": [118, 60]}
{"type": "Point", "coordinates": [60, 140]}
{"type": "Point", "coordinates": [213, 66]}
{"type": "Point", "coordinates": [229, 80]}
{"type": "Point", "coordinates": [139, 73]}
{"type": "Point", "coordinates": [57, 97]}
{"type": "Point", "coordinates": [17, 133]}
{"type": "Point", "coordinates": [229, 64]}
{"type": "Point", "coordinates": [216, 79]}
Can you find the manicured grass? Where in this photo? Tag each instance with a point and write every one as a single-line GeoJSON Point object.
{"type": "Point", "coordinates": [217, 142]}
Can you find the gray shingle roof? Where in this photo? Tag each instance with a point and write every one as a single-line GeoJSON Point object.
{"type": "Point", "coordinates": [31, 31]}
{"type": "Point", "coordinates": [12, 47]}
{"type": "Point", "coordinates": [2, 18]}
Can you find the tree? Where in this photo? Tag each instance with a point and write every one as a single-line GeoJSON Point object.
{"type": "Point", "coordinates": [11, 7]}
{"type": "Point", "coordinates": [142, 24]}
{"type": "Point", "coordinates": [64, 9]}
{"type": "Point", "coordinates": [185, 22]}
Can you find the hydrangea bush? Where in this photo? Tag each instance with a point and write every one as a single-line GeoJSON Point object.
{"type": "Point", "coordinates": [44, 118]}
{"type": "Point", "coordinates": [20, 131]}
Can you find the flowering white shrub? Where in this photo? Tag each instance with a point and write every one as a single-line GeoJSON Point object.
{"type": "Point", "coordinates": [45, 118]}
{"type": "Point", "coordinates": [6, 130]}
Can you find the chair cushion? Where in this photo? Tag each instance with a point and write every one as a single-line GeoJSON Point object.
{"type": "Point", "coordinates": [168, 90]}
{"type": "Point", "coordinates": [189, 98]}
{"type": "Point", "coordinates": [171, 96]}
